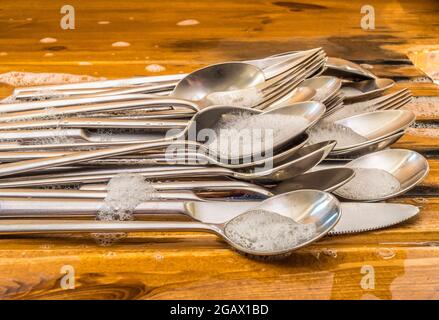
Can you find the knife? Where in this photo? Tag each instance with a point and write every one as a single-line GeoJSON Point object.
{"type": "Point", "coordinates": [356, 216]}
{"type": "Point", "coordinates": [361, 217]}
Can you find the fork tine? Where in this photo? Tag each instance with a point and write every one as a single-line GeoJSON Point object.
{"type": "Point", "coordinates": [290, 85]}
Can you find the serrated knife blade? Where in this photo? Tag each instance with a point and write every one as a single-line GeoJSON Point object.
{"type": "Point", "coordinates": [361, 217]}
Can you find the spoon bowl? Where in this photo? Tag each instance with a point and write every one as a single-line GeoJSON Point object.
{"type": "Point", "coordinates": [373, 146]}
{"type": "Point", "coordinates": [218, 78]}
{"type": "Point", "coordinates": [346, 69]}
{"type": "Point", "coordinates": [324, 179]}
{"type": "Point", "coordinates": [365, 90]}
{"type": "Point", "coordinates": [376, 125]}
{"type": "Point", "coordinates": [303, 207]}
{"type": "Point", "coordinates": [407, 166]}
{"type": "Point", "coordinates": [325, 86]}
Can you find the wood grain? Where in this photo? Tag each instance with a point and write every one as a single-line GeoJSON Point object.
{"type": "Point", "coordinates": [191, 266]}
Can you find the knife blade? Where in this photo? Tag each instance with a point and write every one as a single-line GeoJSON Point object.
{"type": "Point", "coordinates": [362, 217]}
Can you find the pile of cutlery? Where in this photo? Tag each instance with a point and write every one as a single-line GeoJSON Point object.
{"type": "Point", "coordinates": [61, 144]}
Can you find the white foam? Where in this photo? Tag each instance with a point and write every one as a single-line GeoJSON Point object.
{"type": "Point", "coordinates": [125, 192]}
{"type": "Point", "coordinates": [265, 231]}
{"type": "Point", "coordinates": [23, 79]}
{"type": "Point", "coordinates": [238, 98]}
{"type": "Point", "coordinates": [344, 136]}
{"type": "Point", "coordinates": [424, 106]}
{"type": "Point", "coordinates": [243, 133]}
{"type": "Point", "coordinates": [155, 68]}
{"type": "Point", "coordinates": [369, 184]}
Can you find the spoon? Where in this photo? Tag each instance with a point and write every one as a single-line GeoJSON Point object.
{"type": "Point", "coordinates": [265, 94]}
{"type": "Point", "coordinates": [407, 166]}
{"type": "Point", "coordinates": [97, 86]}
{"type": "Point", "coordinates": [373, 146]}
{"type": "Point", "coordinates": [299, 162]}
{"type": "Point", "coordinates": [311, 207]}
{"type": "Point", "coordinates": [192, 91]}
{"type": "Point", "coordinates": [365, 90]}
{"type": "Point", "coordinates": [325, 87]}
{"type": "Point", "coordinates": [205, 119]}
{"type": "Point", "coordinates": [346, 69]}
{"type": "Point", "coordinates": [370, 127]}
{"type": "Point", "coordinates": [341, 68]}
{"type": "Point", "coordinates": [322, 179]}
{"type": "Point", "coordinates": [154, 157]}
{"type": "Point", "coordinates": [204, 190]}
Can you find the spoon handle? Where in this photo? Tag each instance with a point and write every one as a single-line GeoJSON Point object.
{"type": "Point", "coordinates": [104, 84]}
{"type": "Point", "coordinates": [75, 157]}
{"type": "Point", "coordinates": [97, 123]}
{"type": "Point", "coordinates": [80, 226]}
{"type": "Point", "coordinates": [37, 208]}
{"type": "Point", "coordinates": [155, 173]}
{"type": "Point", "coordinates": [39, 112]}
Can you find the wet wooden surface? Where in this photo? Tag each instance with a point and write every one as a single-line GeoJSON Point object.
{"type": "Point", "coordinates": [405, 260]}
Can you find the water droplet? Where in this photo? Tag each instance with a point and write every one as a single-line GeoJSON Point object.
{"type": "Point", "coordinates": [386, 253]}
{"type": "Point", "coordinates": [120, 44]}
{"type": "Point", "coordinates": [159, 257]}
{"type": "Point", "coordinates": [48, 40]}
{"type": "Point", "coordinates": [189, 22]}
{"type": "Point", "coordinates": [330, 252]}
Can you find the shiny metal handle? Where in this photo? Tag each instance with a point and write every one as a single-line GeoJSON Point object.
{"type": "Point", "coordinates": [77, 208]}
{"type": "Point", "coordinates": [200, 186]}
{"type": "Point", "coordinates": [71, 226]}
{"type": "Point", "coordinates": [104, 123]}
{"type": "Point", "coordinates": [98, 107]}
{"type": "Point", "coordinates": [104, 84]}
{"type": "Point", "coordinates": [53, 103]}
{"type": "Point", "coordinates": [99, 178]}
{"type": "Point", "coordinates": [35, 164]}
{"type": "Point", "coordinates": [35, 194]}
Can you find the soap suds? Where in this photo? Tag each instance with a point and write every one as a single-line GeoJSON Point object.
{"type": "Point", "coordinates": [344, 136]}
{"type": "Point", "coordinates": [424, 106]}
{"type": "Point", "coordinates": [369, 184]}
{"type": "Point", "coordinates": [238, 98]}
{"type": "Point", "coordinates": [264, 231]}
{"type": "Point", "coordinates": [155, 68]}
{"type": "Point", "coordinates": [244, 134]}
{"type": "Point", "coordinates": [23, 79]}
{"type": "Point", "coordinates": [125, 192]}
